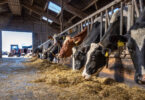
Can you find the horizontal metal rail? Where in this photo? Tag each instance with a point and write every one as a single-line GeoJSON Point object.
{"type": "Point", "coordinates": [104, 12]}
{"type": "Point", "coordinates": [94, 14]}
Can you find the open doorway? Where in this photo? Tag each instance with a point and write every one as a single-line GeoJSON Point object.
{"type": "Point", "coordinates": [16, 44]}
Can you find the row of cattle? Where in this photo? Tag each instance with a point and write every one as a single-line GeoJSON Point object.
{"type": "Point", "coordinates": [91, 52]}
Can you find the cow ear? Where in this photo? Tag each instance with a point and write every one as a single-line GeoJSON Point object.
{"type": "Point", "coordinates": [116, 38]}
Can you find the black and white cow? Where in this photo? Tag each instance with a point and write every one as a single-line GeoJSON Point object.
{"type": "Point", "coordinates": [136, 46]}
{"type": "Point", "coordinates": [46, 46]}
{"type": "Point", "coordinates": [55, 48]}
{"type": "Point", "coordinates": [79, 53]}
{"type": "Point", "coordinates": [96, 55]}
{"type": "Point", "coordinates": [38, 51]}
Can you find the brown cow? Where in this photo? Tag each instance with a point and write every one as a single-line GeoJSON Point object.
{"type": "Point", "coordinates": [69, 43]}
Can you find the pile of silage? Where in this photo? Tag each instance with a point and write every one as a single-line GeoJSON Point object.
{"type": "Point", "coordinates": [74, 87]}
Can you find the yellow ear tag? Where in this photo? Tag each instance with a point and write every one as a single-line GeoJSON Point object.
{"type": "Point", "coordinates": [120, 43]}
{"type": "Point", "coordinates": [63, 38]}
{"type": "Point", "coordinates": [70, 31]}
{"type": "Point", "coordinates": [76, 42]}
{"type": "Point", "coordinates": [107, 54]}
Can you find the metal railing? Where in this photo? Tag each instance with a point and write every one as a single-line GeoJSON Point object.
{"type": "Point", "coordinates": [135, 7]}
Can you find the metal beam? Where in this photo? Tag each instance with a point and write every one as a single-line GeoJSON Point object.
{"type": "Point", "coordinates": [71, 9]}
{"type": "Point", "coordinates": [15, 6]}
{"type": "Point", "coordinates": [92, 3]}
{"type": "Point", "coordinates": [41, 12]}
{"type": "Point", "coordinates": [32, 1]}
{"type": "Point", "coordinates": [46, 6]}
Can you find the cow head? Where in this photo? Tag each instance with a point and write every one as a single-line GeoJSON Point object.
{"type": "Point", "coordinates": [52, 53]}
{"type": "Point", "coordinates": [79, 57]}
{"type": "Point", "coordinates": [38, 51]}
{"type": "Point", "coordinates": [95, 60]}
{"type": "Point", "coordinates": [96, 56]}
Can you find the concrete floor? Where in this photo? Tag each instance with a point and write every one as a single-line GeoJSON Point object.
{"type": "Point", "coordinates": [15, 82]}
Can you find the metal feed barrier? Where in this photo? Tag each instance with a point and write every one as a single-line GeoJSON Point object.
{"type": "Point", "coordinates": [135, 7]}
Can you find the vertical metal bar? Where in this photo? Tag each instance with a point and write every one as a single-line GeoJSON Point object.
{"type": "Point", "coordinates": [108, 18]}
{"type": "Point", "coordinates": [106, 22]}
{"type": "Point", "coordinates": [0, 43]}
{"type": "Point", "coordinates": [61, 17]}
{"type": "Point", "coordinates": [101, 26]}
{"type": "Point", "coordinates": [81, 26]}
{"type": "Point", "coordinates": [141, 5]}
{"type": "Point", "coordinates": [112, 10]}
{"type": "Point", "coordinates": [136, 8]}
{"type": "Point", "coordinates": [91, 26]}
{"type": "Point", "coordinates": [88, 26]}
{"type": "Point", "coordinates": [133, 16]}
{"type": "Point", "coordinates": [129, 19]}
{"type": "Point", "coordinates": [121, 19]}
{"type": "Point", "coordinates": [41, 33]}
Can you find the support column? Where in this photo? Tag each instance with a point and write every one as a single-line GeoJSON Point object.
{"type": "Point", "coordinates": [0, 44]}
{"type": "Point", "coordinates": [35, 40]}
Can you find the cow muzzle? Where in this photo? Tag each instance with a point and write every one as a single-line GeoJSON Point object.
{"type": "Point", "coordinates": [140, 79]}
{"type": "Point", "coordinates": [86, 76]}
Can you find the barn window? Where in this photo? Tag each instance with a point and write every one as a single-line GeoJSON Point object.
{"type": "Point", "coordinates": [53, 7]}
{"type": "Point", "coordinates": [49, 20]}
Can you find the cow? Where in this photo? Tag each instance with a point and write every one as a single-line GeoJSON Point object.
{"type": "Point", "coordinates": [79, 53]}
{"type": "Point", "coordinates": [38, 51]}
{"type": "Point", "coordinates": [46, 46]}
{"type": "Point", "coordinates": [98, 53]}
{"type": "Point", "coordinates": [58, 39]}
{"type": "Point", "coordinates": [70, 42]}
{"type": "Point", "coordinates": [54, 49]}
{"type": "Point", "coordinates": [136, 46]}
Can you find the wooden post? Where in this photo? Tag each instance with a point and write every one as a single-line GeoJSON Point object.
{"type": "Point", "coordinates": [101, 26]}
{"type": "Point", "coordinates": [121, 19]}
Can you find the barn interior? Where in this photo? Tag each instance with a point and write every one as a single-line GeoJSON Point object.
{"type": "Point", "coordinates": [38, 79]}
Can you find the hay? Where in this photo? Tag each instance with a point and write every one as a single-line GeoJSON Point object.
{"type": "Point", "coordinates": [37, 63]}
{"type": "Point", "coordinates": [74, 87]}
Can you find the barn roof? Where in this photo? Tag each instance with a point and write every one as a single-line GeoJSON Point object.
{"type": "Point", "coordinates": [73, 10]}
